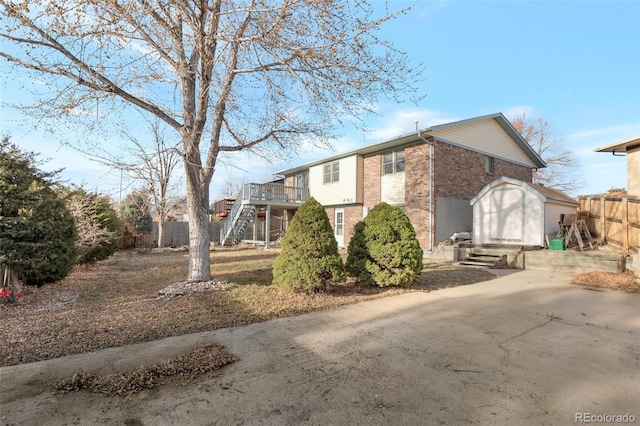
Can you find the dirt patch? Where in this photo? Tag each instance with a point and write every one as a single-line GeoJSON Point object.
{"type": "Point", "coordinates": [626, 281]}
{"type": "Point", "coordinates": [185, 287]}
{"type": "Point", "coordinates": [203, 361]}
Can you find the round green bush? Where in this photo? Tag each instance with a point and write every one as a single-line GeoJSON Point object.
{"type": "Point", "coordinates": [309, 259]}
{"type": "Point", "coordinates": [384, 250]}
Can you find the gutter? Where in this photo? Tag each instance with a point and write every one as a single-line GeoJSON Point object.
{"type": "Point", "coordinates": [430, 143]}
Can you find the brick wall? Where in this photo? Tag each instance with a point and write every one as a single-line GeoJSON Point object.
{"type": "Point", "coordinates": [417, 190]}
{"type": "Point", "coordinates": [460, 173]}
{"type": "Point", "coordinates": [352, 215]}
{"type": "Point", "coordinates": [372, 185]}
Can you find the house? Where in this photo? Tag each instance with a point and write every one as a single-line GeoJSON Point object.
{"type": "Point", "coordinates": [512, 212]}
{"type": "Point", "coordinates": [431, 174]}
{"type": "Point", "coordinates": [630, 148]}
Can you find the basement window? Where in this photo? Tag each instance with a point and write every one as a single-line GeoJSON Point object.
{"type": "Point", "coordinates": [488, 164]}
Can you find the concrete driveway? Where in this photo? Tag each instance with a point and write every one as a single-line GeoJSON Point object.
{"type": "Point", "coordinates": [525, 349]}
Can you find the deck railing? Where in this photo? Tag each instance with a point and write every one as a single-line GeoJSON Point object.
{"type": "Point", "coordinates": [274, 192]}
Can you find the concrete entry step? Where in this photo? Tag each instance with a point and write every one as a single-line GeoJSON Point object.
{"type": "Point", "coordinates": [499, 256]}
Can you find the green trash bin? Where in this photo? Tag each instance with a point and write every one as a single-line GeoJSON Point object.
{"type": "Point", "coordinates": [556, 244]}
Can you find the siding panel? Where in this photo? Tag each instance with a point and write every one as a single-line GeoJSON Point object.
{"type": "Point", "coordinates": [392, 188]}
{"type": "Point", "coordinates": [487, 137]}
{"type": "Point", "coordinates": [336, 193]}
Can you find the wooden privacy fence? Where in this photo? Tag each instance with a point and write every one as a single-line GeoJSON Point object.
{"type": "Point", "coordinates": [175, 234]}
{"type": "Point", "coordinates": [615, 219]}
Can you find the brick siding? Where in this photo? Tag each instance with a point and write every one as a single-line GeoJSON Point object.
{"type": "Point", "coordinates": [372, 185]}
{"type": "Point", "coordinates": [417, 190]}
{"type": "Point", "coordinates": [460, 173]}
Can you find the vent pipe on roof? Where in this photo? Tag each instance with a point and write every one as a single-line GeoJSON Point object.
{"type": "Point", "coordinates": [430, 142]}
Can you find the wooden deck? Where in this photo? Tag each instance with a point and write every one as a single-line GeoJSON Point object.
{"type": "Point", "coordinates": [276, 195]}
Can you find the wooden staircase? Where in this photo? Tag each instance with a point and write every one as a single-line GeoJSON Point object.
{"type": "Point", "coordinates": [236, 222]}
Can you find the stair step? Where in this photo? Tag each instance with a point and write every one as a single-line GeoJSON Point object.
{"type": "Point", "coordinates": [484, 255]}
{"type": "Point", "coordinates": [492, 260]}
{"type": "Point", "coordinates": [476, 263]}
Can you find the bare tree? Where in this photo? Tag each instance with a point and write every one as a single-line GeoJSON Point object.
{"type": "Point", "coordinates": [151, 162]}
{"type": "Point", "coordinates": [226, 75]}
{"type": "Point", "coordinates": [561, 169]}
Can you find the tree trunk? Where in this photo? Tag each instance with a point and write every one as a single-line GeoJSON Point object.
{"type": "Point", "coordinates": [10, 279]}
{"type": "Point", "coordinates": [160, 231]}
{"type": "Point", "coordinates": [198, 210]}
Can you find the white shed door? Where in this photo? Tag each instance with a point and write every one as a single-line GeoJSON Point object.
{"type": "Point", "coordinates": [507, 218]}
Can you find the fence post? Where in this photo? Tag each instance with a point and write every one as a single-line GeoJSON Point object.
{"type": "Point", "coordinates": [603, 218]}
{"type": "Point", "coordinates": [625, 224]}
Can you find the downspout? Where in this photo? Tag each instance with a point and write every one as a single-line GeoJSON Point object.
{"type": "Point", "coordinates": [430, 143]}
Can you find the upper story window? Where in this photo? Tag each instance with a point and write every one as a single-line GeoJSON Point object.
{"type": "Point", "coordinates": [393, 162]}
{"type": "Point", "coordinates": [332, 172]}
{"type": "Point", "coordinates": [488, 164]}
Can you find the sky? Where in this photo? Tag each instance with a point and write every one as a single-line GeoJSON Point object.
{"type": "Point", "coordinates": [574, 64]}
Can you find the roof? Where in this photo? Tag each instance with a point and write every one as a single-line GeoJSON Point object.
{"type": "Point", "coordinates": [622, 146]}
{"type": "Point", "coordinates": [413, 137]}
{"type": "Point", "coordinates": [544, 193]}
{"type": "Point", "coordinates": [552, 194]}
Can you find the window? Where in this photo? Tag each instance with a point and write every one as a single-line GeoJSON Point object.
{"type": "Point", "coordinates": [339, 222]}
{"type": "Point", "coordinates": [393, 162]}
{"type": "Point", "coordinates": [488, 164]}
{"type": "Point", "coordinates": [302, 186]}
{"type": "Point", "coordinates": [399, 163]}
{"type": "Point", "coordinates": [332, 172]}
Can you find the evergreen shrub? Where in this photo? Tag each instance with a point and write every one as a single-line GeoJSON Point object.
{"type": "Point", "coordinates": [37, 231]}
{"type": "Point", "coordinates": [309, 259]}
{"type": "Point", "coordinates": [384, 250]}
{"type": "Point", "coordinates": [97, 224]}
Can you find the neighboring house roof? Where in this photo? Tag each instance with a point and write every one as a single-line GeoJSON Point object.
{"type": "Point", "coordinates": [544, 193]}
{"type": "Point", "coordinates": [444, 133]}
{"type": "Point", "coordinates": [622, 146]}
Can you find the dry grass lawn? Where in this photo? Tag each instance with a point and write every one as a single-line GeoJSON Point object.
{"type": "Point", "coordinates": [116, 302]}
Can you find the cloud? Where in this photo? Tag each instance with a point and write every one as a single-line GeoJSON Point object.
{"type": "Point", "coordinates": [612, 134]}
{"type": "Point", "coordinates": [401, 122]}
{"type": "Point", "coordinates": [431, 8]}
{"type": "Point", "coordinates": [514, 111]}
